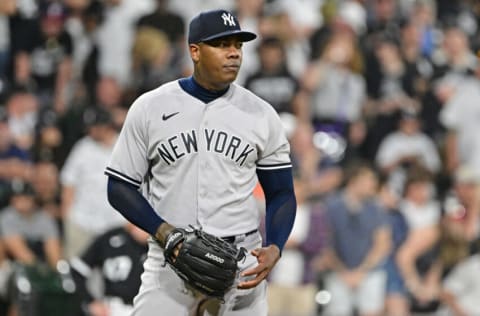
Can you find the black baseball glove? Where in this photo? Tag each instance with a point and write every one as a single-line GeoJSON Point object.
{"type": "Point", "coordinates": [205, 262]}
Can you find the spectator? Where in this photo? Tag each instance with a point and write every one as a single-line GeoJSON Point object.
{"type": "Point", "coordinates": [459, 57]}
{"type": "Point", "coordinates": [461, 221]}
{"type": "Point", "coordinates": [457, 62]}
{"type": "Point", "coordinates": [459, 116]}
{"type": "Point", "coordinates": [62, 132]}
{"type": "Point", "coordinates": [152, 59]}
{"type": "Point", "coordinates": [461, 288]}
{"type": "Point", "coordinates": [172, 25]}
{"type": "Point", "coordinates": [29, 233]}
{"type": "Point", "coordinates": [45, 60]}
{"type": "Point", "coordinates": [419, 67]}
{"type": "Point", "coordinates": [86, 213]}
{"type": "Point", "coordinates": [389, 81]}
{"type": "Point", "coordinates": [417, 256]}
{"type": "Point", "coordinates": [273, 81]}
{"type": "Point", "coordinates": [360, 242]}
{"type": "Point", "coordinates": [391, 88]}
{"type": "Point", "coordinates": [406, 148]}
{"type": "Point", "coordinates": [119, 254]}
{"type": "Point", "coordinates": [29, 237]}
{"type": "Point", "coordinates": [335, 92]}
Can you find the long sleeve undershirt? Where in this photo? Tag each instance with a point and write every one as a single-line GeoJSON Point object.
{"type": "Point", "coordinates": [281, 204]}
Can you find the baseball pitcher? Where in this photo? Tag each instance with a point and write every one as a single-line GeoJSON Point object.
{"type": "Point", "coordinates": [184, 168]}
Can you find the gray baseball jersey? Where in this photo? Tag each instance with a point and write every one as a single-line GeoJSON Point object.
{"type": "Point", "coordinates": [198, 161]}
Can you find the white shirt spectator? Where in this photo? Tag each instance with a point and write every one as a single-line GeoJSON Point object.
{"type": "Point", "coordinates": [398, 144]}
{"type": "Point", "coordinates": [464, 283]}
{"type": "Point", "coordinates": [339, 96]}
{"type": "Point", "coordinates": [420, 216]}
{"type": "Point", "coordinates": [83, 170]}
{"type": "Point", "coordinates": [462, 115]}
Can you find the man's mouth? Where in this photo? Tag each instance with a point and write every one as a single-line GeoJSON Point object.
{"type": "Point", "coordinates": [231, 67]}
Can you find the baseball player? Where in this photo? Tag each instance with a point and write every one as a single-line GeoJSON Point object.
{"type": "Point", "coordinates": [117, 254]}
{"type": "Point", "coordinates": [190, 153]}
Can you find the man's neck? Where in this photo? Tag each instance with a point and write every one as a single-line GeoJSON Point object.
{"type": "Point", "coordinates": [353, 200]}
{"type": "Point", "coordinates": [192, 87]}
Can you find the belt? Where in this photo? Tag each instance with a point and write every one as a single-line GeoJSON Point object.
{"type": "Point", "coordinates": [232, 239]}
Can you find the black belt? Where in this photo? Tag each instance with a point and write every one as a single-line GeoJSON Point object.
{"type": "Point", "coordinates": [231, 239]}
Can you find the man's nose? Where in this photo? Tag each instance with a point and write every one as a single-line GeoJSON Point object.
{"type": "Point", "coordinates": [233, 51]}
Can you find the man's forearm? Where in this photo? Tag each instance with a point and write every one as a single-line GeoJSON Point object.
{"type": "Point", "coordinates": [281, 204]}
{"type": "Point", "coordinates": [127, 200]}
{"type": "Point", "coordinates": [53, 251]}
{"type": "Point", "coordinates": [450, 300]}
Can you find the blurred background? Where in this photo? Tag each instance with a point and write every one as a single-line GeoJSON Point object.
{"type": "Point", "coordinates": [381, 103]}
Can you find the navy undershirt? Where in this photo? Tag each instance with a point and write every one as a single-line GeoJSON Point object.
{"type": "Point", "coordinates": [281, 204]}
{"type": "Point", "coordinates": [190, 86]}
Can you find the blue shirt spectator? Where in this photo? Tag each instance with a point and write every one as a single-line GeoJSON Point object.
{"type": "Point", "coordinates": [353, 230]}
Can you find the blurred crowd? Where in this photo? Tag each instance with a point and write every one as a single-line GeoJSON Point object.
{"type": "Point", "coordinates": [380, 101]}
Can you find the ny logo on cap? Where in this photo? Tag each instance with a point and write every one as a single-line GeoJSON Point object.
{"type": "Point", "coordinates": [228, 18]}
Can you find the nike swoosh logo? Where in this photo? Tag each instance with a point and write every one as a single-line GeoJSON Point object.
{"type": "Point", "coordinates": [166, 117]}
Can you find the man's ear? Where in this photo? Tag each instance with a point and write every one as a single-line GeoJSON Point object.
{"type": "Point", "coordinates": [194, 52]}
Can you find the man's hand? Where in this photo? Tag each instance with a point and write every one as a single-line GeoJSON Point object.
{"type": "Point", "coordinates": [98, 308]}
{"type": "Point", "coordinates": [267, 257]}
{"type": "Point", "coordinates": [352, 278]}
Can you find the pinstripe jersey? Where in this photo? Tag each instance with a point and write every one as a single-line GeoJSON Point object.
{"type": "Point", "coordinates": [196, 163]}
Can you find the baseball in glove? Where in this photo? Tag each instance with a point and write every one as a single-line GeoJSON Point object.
{"type": "Point", "coordinates": [205, 262]}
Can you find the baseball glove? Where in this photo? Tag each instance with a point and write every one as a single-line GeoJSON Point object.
{"type": "Point", "coordinates": [205, 262]}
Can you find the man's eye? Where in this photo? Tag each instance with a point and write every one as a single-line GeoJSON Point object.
{"type": "Point", "coordinates": [226, 44]}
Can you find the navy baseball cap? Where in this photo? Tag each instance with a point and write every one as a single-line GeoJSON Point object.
{"type": "Point", "coordinates": [209, 25]}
